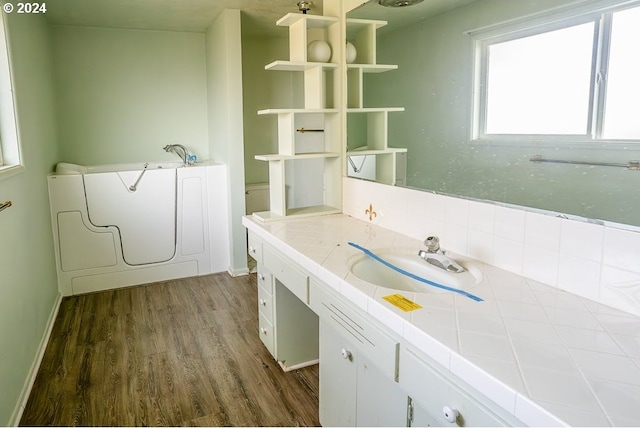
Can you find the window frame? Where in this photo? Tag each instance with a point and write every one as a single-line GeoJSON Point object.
{"type": "Point", "coordinates": [598, 12]}
{"type": "Point", "coordinates": [11, 158]}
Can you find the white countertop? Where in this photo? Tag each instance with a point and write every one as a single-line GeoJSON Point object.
{"type": "Point", "coordinates": [545, 355]}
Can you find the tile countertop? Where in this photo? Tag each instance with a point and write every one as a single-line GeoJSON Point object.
{"type": "Point", "coordinates": [545, 355]}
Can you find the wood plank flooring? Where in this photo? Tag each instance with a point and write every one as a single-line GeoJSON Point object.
{"type": "Point", "coordinates": [182, 352]}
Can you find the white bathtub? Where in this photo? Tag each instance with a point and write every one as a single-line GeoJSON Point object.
{"type": "Point", "coordinates": [124, 224]}
{"type": "Point", "coordinates": [64, 168]}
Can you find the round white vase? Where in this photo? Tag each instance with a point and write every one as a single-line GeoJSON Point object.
{"type": "Point", "coordinates": [352, 53]}
{"type": "Point", "coordinates": [318, 51]}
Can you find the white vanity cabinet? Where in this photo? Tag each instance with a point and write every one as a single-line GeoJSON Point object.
{"type": "Point", "coordinates": [337, 379]}
{"type": "Point", "coordinates": [265, 309]}
{"type": "Point", "coordinates": [353, 391]}
{"type": "Point", "coordinates": [358, 367]}
{"type": "Point", "coordinates": [369, 376]}
{"type": "Point", "coordinates": [288, 327]}
{"type": "Point", "coordinates": [265, 295]}
{"type": "Point", "coordinates": [438, 398]}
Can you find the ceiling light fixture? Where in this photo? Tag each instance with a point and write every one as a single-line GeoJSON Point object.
{"type": "Point", "coordinates": [304, 6]}
{"type": "Point", "coordinates": [398, 3]}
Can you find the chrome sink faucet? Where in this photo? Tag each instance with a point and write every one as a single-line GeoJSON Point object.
{"type": "Point", "coordinates": [436, 256]}
{"type": "Point", "coordinates": [181, 151]}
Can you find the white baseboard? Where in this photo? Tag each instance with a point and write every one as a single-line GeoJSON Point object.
{"type": "Point", "coordinates": [35, 366]}
{"type": "Point", "coordinates": [238, 272]}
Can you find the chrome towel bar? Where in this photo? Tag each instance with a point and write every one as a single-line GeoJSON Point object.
{"type": "Point", "coordinates": [632, 164]}
{"type": "Point", "coordinates": [303, 130]}
{"type": "Point", "coordinates": [5, 205]}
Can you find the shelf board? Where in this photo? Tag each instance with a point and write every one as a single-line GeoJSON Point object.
{"type": "Point", "coordinates": [354, 24]}
{"type": "Point", "coordinates": [278, 157]}
{"type": "Point", "coordinates": [298, 110]}
{"type": "Point", "coordinates": [267, 216]}
{"type": "Point", "coordinates": [375, 109]}
{"type": "Point", "coordinates": [313, 21]}
{"type": "Point", "coordinates": [373, 68]}
{"type": "Point", "coordinates": [377, 152]}
{"type": "Point", "coordinates": [298, 65]}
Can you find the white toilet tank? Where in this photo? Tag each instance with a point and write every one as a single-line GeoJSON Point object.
{"type": "Point", "coordinates": [256, 197]}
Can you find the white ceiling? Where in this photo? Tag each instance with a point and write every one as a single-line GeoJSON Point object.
{"type": "Point", "coordinates": [169, 15]}
{"type": "Point", "coordinates": [259, 16]}
{"type": "Point", "coordinates": [403, 16]}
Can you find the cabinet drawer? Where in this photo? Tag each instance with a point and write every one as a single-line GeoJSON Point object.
{"type": "Point", "coordinates": [381, 349]}
{"type": "Point", "coordinates": [255, 247]}
{"type": "Point", "coordinates": [264, 279]}
{"type": "Point", "coordinates": [265, 303]}
{"type": "Point", "coordinates": [265, 329]}
{"type": "Point", "coordinates": [434, 391]}
{"type": "Point", "coordinates": [290, 276]}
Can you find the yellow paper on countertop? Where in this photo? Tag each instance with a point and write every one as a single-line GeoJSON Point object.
{"type": "Point", "coordinates": [401, 302]}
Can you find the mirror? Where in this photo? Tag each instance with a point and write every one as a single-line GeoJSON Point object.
{"type": "Point", "coordinates": [430, 44]}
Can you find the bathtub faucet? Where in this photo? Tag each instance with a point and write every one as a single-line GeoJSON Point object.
{"type": "Point", "coordinates": [181, 151]}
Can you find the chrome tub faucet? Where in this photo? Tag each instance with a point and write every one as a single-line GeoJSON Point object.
{"type": "Point", "coordinates": [181, 151]}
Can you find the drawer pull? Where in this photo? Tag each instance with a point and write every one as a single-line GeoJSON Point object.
{"type": "Point", "coordinates": [252, 249]}
{"type": "Point", "coordinates": [263, 330]}
{"type": "Point", "coordinates": [262, 302]}
{"type": "Point", "coordinates": [450, 414]}
{"type": "Point", "coordinates": [261, 277]}
{"type": "Point", "coordinates": [346, 354]}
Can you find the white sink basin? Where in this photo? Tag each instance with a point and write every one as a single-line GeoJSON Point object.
{"type": "Point", "coordinates": [373, 271]}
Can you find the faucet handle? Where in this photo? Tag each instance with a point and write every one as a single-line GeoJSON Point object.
{"type": "Point", "coordinates": [432, 243]}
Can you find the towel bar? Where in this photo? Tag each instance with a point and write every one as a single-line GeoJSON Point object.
{"type": "Point", "coordinates": [5, 205]}
{"type": "Point", "coordinates": [303, 130]}
{"type": "Point", "coordinates": [632, 164]}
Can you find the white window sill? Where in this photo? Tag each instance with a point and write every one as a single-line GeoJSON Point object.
{"type": "Point", "coordinates": [523, 141]}
{"type": "Point", "coordinates": [10, 171]}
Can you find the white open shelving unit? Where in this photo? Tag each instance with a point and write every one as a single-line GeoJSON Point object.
{"type": "Point", "coordinates": [292, 150]}
{"type": "Point", "coordinates": [321, 163]}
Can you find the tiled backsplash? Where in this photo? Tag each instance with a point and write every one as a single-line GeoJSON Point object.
{"type": "Point", "coordinates": [594, 261]}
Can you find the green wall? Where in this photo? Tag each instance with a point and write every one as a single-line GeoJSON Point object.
{"type": "Point", "coordinates": [226, 133]}
{"type": "Point", "coordinates": [122, 95]}
{"type": "Point", "coordinates": [96, 96]}
{"type": "Point", "coordinates": [433, 83]}
{"type": "Point", "coordinates": [28, 285]}
{"type": "Point", "coordinates": [263, 89]}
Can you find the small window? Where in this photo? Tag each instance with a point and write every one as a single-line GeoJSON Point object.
{"type": "Point", "coordinates": [573, 78]}
{"type": "Point", "coordinates": [9, 145]}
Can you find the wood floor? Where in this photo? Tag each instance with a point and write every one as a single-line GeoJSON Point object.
{"type": "Point", "coordinates": [183, 352]}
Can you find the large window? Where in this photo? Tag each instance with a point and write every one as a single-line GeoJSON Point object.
{"type": "Point", "coordinates": [573, 77]}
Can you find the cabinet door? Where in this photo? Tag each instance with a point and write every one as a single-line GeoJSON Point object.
{"type": "Point", "coordinates": [353, 391]}
{"type": "Point", "coordinates": [419, 417]}
{"type": "Point", "coordinates": [440, 393]}
{"type": "Point", "coordinates": [338, 373]}
{"type": "Point", "coordinates": [380, 401]}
